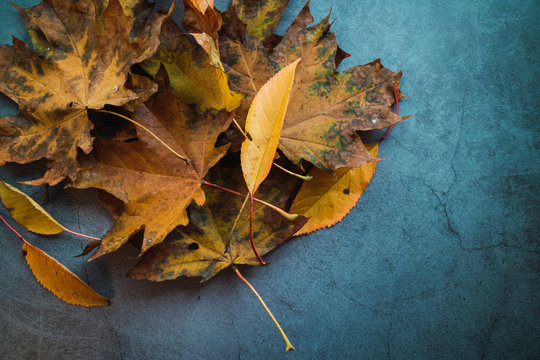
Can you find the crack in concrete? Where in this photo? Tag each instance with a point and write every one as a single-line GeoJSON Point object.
{"type": "Point", "coordinates": [456, 233]}
{"type": "Point", "coordinates": [458, 143]}
{"type": "Point", "coordinates": [444, 206]}
{"type": "Point", "coordinates": [350, 298]}
{"type": "Point", "coordinates": [389, 333]}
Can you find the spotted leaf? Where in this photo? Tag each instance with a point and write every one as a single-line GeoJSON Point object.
{"type": "Point", "coordinates": [74, 68]}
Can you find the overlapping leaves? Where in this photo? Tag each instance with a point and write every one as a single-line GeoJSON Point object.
{"type": "Point", "coordinates": [155, 185]}
{"type": "Point", "coordinates": [74, 68]}
{"type": "Point", "coordinates": [199, 248]}
{"type": "Point", "coordinates": [163, 155]}
{"type": "Point", "coordinates": [327, 106]}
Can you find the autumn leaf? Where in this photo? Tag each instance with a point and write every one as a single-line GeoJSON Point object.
{"type": "Point", "coordinates": [30, 214]}
{"type": "Point", "coordinates": [73, 68]}
{"type": "Point", "coordinates": [201, 5]}
{"type": "Point", "coordinates": [199, 248]}
{"type": "Point", "coordinates": [59, 280]}
{"type": "Point", "coordinates": [27, 212]}
{"type": "Point", "coordinates": [263, 126]}
{"type": "Point", "coordinates": [327, 199]}
{"type": "Point", "coordinates": [130, 7]}
{"type": "Point", "coordinates": [155, 185]}
{"type": "Point", "coordinates": [142, 86]}
{"type": "Point", "coordinates": [202, 21]}
{"type": "Point", "coordinates": [327, 106]}
{"type": "Point", "coordinates": [260, 16]}
{"type": "Point", "coordinates": [193, 79]}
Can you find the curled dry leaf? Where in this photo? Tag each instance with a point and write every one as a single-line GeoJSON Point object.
{"type": "Point", "coordinates": [74, 68]}
{"type": "Point", "coordinates": [59, 280]}
{"type": "Point", "coordinates": [263, 126]}
{"type": "Point", "coordinates": [201, 5]}
{"type": "Point", "coordinates": [203, 21]}
{"type": "Point", "coordinates": [192, 78]}
{"type": "Point", "coordinates": [327, 106]}
{"type": "Point", "coordinates": [27, 212]}
{"type": "Point", "coordinates": [155, 185]}
{"type": "Point", "coordinates": [327, 199]}
{"type": "Point", "coordinates": [142, 86]}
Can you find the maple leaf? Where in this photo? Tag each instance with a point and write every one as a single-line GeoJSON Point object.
{"type": "Point", "coordinates": [73, 68]}
{"type": "Point", "coordinates": [260, 16]}
{"type": "Point", "coordinates": [155, 185]}
{"type": "Point", "coordinates": [133, 8]}
{"type": "Point", "coordinates": [327, 106]}
{"type": "Point", "coordinates": [199, 248]}
{"type": "Point", "coordinates": [193, 79]}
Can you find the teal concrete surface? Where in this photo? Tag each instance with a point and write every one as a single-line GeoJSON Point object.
{"type": "Point", "coordinates": [440, 259]}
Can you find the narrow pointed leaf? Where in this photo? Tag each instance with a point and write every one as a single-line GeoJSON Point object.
{"type": "Point", "coordinates": [263, 124]}
{"type": "Point", "coordinates": [27, 212]}
{"type": "Point", "coordinates": [326, 199]}
{"type": "Point", "coordinates": [59, 280]}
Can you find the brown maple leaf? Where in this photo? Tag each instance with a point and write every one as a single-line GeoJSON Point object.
{"type": "Point", "coordinates": [200, 248]}
{"type": "Point", "coordinates": [155, 185]}
{"type": "Point", "coordinates": [74, 68]}
{"type": "Point", "coordinates": [327, 106]}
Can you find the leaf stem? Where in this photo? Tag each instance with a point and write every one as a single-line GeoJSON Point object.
{"type": "Point", "coordinates": [283, 213]}
{"type": "Point", "coordinates": [148, 131]}
{"type": "Point", "coordinates": [251, 231]}
{"type": "Point", "coordinates": [246, 135]}
{"type": "Point", "coordinates": [288, 345]}
{"type": "Point", "coordinates": [228, 243]}
{"type": "Point", "coordinates": [81, 235]}
{"type": "Point", "coordinates": [397, 113]}
{"type": "Point", "coordinates": [12, 229]}
{"type": "Point", "coordinates": [303, 177]}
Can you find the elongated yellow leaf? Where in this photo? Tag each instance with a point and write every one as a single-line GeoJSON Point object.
{"type": "Point", "coordinates": [263, 125]}
{"type": "Point", "coordinates": [56, 278]}
{"type": "Point", "coordinates": [326, 199]}
{"type": "Point", "coordinates": [27, 212]}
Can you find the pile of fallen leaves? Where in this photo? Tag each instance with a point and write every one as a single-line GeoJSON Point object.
{"type": "Point", "coordinates": [214, 141]}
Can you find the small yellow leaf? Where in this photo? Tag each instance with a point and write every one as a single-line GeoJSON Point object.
{"type": "Point", "coordinates": [27, 212]}
{"type": "Point", "coordinates": [326, 199]}
{"type": "Point", "coordinates": [56, 278]}
{"type": "Point", "coordinates": [263, 125]}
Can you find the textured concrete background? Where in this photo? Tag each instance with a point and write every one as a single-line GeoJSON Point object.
{"type": "Point", "coordinates": [439, 260]}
